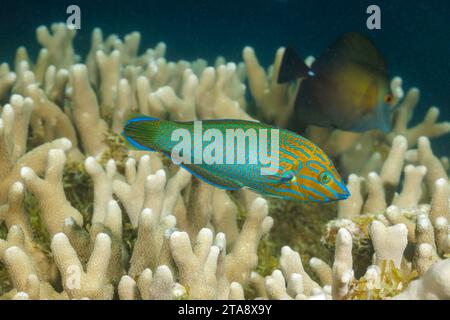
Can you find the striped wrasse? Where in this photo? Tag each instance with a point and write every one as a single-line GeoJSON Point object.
{"type": "Point", "coordinates": [235, 154]}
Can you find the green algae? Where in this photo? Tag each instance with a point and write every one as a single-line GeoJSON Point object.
{"type": "Point", "coordinates": [79, 189]}
{"type": "Point", "coordinates": [362, 249]}
{"type": "Point", "coordinates": [300, 225]}
{"type": "Point", "coordinates": [392, 282]}
{"type": "Point", "coordinates": [117, 149]}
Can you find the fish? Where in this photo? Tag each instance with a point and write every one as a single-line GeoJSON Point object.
{"type": "Point", "coordinates": [346, 88]}
{"type": "Point", "coordinates": [302, 171]}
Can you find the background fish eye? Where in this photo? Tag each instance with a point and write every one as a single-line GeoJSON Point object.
{"type": "Point", "coordinates": [388, 98]}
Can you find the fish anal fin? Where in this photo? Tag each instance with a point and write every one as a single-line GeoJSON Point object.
{"type": "Point", "coordinates": [213, 180]}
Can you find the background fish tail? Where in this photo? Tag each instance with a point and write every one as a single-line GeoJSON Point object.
{"type": "Point", "coordinates": [292, 67]}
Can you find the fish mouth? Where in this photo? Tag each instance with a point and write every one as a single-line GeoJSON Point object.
{"type": "Point", "coordinates": [344, 195]}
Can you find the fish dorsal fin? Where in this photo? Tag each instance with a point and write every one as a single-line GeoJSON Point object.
{"type": "Point", "coordinates": [352, 47]}
{"type": "Point", "coordinates": [292, 67]}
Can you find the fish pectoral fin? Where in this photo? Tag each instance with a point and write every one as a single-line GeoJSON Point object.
{"type": "Point", "coordinates": [291, 67]}
{"type": "Point", "coordinates": [286, 176]}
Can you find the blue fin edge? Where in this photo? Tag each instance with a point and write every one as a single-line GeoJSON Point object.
{"type": "Point", "coordinates": [137, 145]}
{"type": "Point", "coordinates": [143, 118]}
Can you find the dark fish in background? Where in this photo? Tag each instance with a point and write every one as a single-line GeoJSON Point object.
{"type": "Point", "coordinates": [347, 87]}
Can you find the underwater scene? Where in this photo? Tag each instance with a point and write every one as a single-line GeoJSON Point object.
{"type": "Point", "coordinates": [224, 150]}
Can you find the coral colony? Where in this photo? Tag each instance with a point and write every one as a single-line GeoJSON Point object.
{"type": "Point", "coordinates": [85, 217]}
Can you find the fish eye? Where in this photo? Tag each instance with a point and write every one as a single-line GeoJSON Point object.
{"type": "Point", "coordinates": [325, 177]}
{"type": "Point", "coordinates": [388, 98]}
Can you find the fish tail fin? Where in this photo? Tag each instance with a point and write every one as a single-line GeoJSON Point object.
{"type": "Point", "coordinates": [292, 67]}
{"type": "Point", "coordinates": [142, 132]}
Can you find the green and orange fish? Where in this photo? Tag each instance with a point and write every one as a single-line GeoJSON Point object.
{"type": "Point", "coordinates": [302, 171]}
{"type": "Point", "coordinates": [347, 87]}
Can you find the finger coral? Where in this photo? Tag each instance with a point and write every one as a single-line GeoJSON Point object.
{"type": "Point", "coordinates": [84, 217]}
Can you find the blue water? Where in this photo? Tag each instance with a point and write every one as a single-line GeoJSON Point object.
{"type": "Point", "coordinates": [415, 35]}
